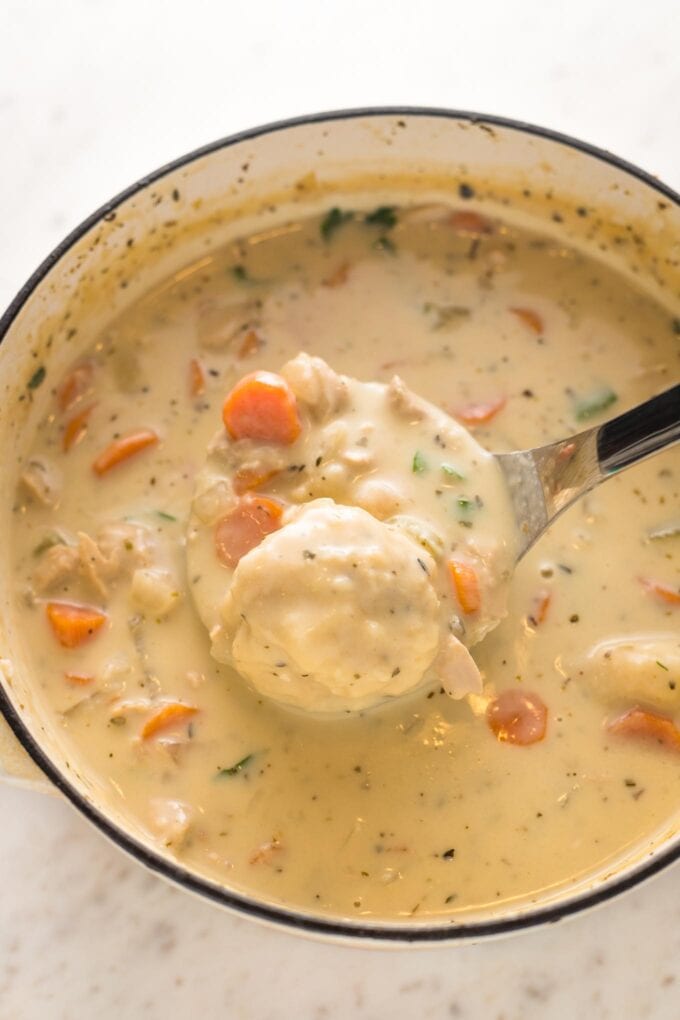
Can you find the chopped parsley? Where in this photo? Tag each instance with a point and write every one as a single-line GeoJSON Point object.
{"type": "Point", "coordinates": [594, 403]}
{"type": "Point", "coordinates": [47, 543]}
{"type": "Point", "coordinates": [661, 665]}
{"type": "Point", "coordinates": [165, 517]}
{"type": "Point", "coordinates": [37, 378]}
{"type": "Point", "coordinates": [384, 216]}
{"type": "Point", "coordinates": [240, 273]}
{"type": "Point", "coordinates": [334, 219]}
{"type": "Point", "coordinates": [234, 770]}
{"type": "Point", "coordinates": [452, 473]}
{"type": "Point", "coordinates": [419, 464]}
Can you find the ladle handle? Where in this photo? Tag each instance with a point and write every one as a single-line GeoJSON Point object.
{"type": "Point", "coordinates": [639, 432]}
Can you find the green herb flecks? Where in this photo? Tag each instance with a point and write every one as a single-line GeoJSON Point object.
{"type": "Point", "coordinates": [661, 665]}
{"type": "Point", "coordinates": [465, 510]}
{"type": "Point", "coordinates": [164, 516]}
{"type": "Point", "coordinates": [234, 770]}
{"type": "Point", "coordinates": [333, 220]}
{"type": "Point", "coordinates": [418, 464]}
{"type": "Point", "coordinates": [384, 216]}
{"type": "Point", "coordinates": [240, 273]}
{"type": "Point", "coordinates": [445, 316]}
{"type": "Point", "coordinates": [37, 378]}
{"type": "Point", "coordinates": [594, 403]}
{"type": "Point", "coordinates": [47, 543]}
{"type": "Point", "coordinates": [451, 472]}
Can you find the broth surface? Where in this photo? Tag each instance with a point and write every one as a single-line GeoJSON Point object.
{"type": "Point", "coordinates": [411, 809]}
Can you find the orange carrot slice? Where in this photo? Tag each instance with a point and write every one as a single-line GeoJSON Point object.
{"type": "Point", "coordinates": [253, 518]}
{"type": "Point", "coordinates": [196, 378]}
{"type": "Point", "coordinates": [539, 609]}
{"type": "Point", "coordinates": [465, 221]}
{"type": "Point", "coordinates": [76, 427]}
{"type": "Point", "coordinates": [642, 724]}
{"type": "Point", "coordinates": [530, 318]}
{"type": "Point", "coordinates": [122, 449]}
{"type": "Point", "coordinates": [246, 480]}
{"type": "Point", "coordinates": [73, 624]}
{"type": "Point", "coordinates": [172, 712]}
{"type": "Point", "coordinates": [79, 679]}
{"type": "Point", "coordinates": [479, 413]}
{"type": "Point", "coordinates": [262, 406]}
{"type": "Point", "coordinates": [516, 717]}
{"type": "Point", "coordinates": [663, 592]}
{"type": "Point", "coordinates": [251, 344]}
{"type": "Point", "coordinates": [75, 385]}
{"type": "Point", "coordinates": [466, 585]}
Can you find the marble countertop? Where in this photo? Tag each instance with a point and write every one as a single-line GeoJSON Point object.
{"type": "Point", "coordinates": [92, 95]}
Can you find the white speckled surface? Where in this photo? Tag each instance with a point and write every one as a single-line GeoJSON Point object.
{"type": "Point", "coordinates": [91, 96]}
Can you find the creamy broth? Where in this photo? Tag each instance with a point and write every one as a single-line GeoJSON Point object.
{"type": "Point", "coordinates": [412, 808]}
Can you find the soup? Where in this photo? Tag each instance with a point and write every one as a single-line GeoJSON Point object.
{"type": "Point", "coordinates": [420, 806]}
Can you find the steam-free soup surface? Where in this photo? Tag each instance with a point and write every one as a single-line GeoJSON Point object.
{"type": "Point", "coordinates": [421, 806]}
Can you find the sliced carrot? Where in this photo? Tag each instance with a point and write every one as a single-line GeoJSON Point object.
{"type": "Point", "coordinates": [530, 318]}
{"type": "Point", "coordinates": [642, 724]}
{"type": "Point", "coordinates": [466, 585]}
{"type": "Point", "coordinates": [73, 624]}
{"type": "Point", "coordinates": [76, 427]}
{"type": "Point", "coordinates": [172, 712]}
{"type": "Point", "coordinates": [465, 221]}
{"type": "Point", "coordinates": [262, 406]}
{"type": "Point", "coordinates": [75, 385]}
{"type": "Point", "coordinates": [663, 592]}
{"type": "Point", "coordinates": [246, 480]}
{"type": "Point", "coordinates": [196, 378]}
{"type": "Point", "coordinates": [517, 717]}
{"type": "Point", "coordinates": [539, 609]}
{"type": "Point", "coordinates": [251, 343]}
{"type": "Point", "coordinates": [79, 679]}
{"type": "Point", "coordinates": [253, 518]}
{"type": "Point", "coordinates": [481, 412]}
{"type": "Point", "coordinates": [338, 276]}
{"type": "Point", "coordinates": [122, 449]}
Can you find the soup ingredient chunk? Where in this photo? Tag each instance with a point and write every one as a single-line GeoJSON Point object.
{"type": "Point", "coordinates": [516, 717]}
{"type": "Point", "coordinates": [122, 449]}
{"type": "Point", "coordinates": [641, 724]}
{"type": "Point", "coordinates": [262, 406]}
{"type": "Point", "coordinates": [335, 609]}
{"type": "Point", "coordinates": [349, 541]}
{"type": "Point", "coordinates": [73, 624]}
{"type": "Point", "coordinates": [245, 526]}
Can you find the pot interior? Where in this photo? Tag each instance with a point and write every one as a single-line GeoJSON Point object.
{"type": "Point", "coordinates": [257, 182]}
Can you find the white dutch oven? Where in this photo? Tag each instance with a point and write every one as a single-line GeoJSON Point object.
{"type": "Point", "coordinates": [259, 178]}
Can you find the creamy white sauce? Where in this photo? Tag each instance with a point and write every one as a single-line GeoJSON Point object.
{"type": "Point", "coordinates": [413, 808]}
